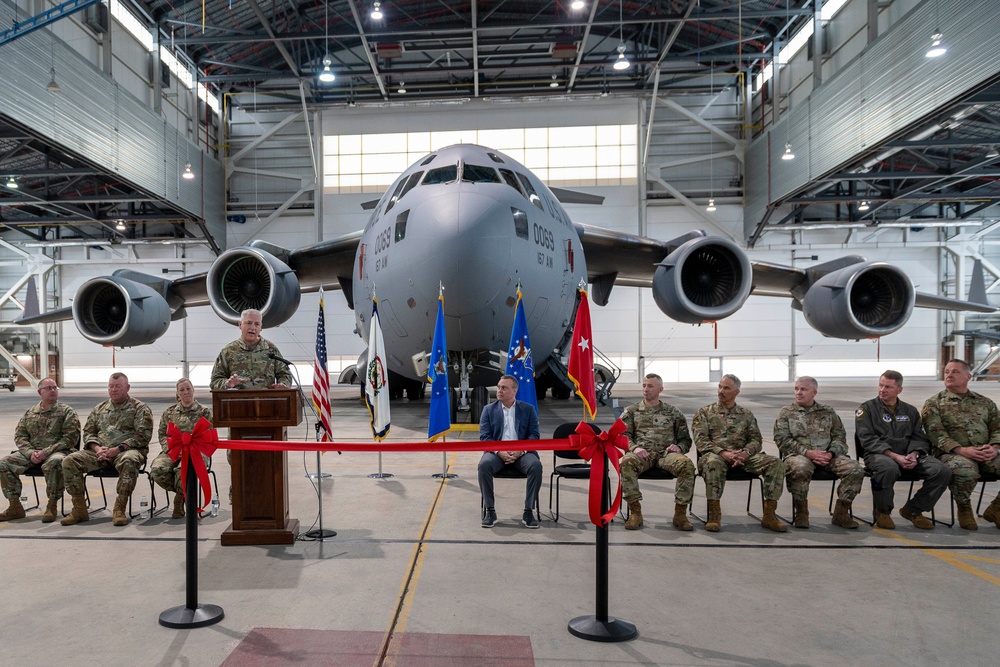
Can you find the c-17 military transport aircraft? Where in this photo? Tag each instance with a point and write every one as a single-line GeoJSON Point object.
{"type": "Point", "coordinates": [479, 223]}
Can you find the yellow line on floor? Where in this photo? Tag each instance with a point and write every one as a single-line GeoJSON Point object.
{"type": "Point", "coordinates": [949, 557]}
{"type": "Point", "coordinates": [408, 587]}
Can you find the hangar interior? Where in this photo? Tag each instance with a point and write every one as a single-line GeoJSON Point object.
{"type": "Point", "coordinates": [110, 106]}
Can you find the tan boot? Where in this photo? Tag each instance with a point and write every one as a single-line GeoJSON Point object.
{"type": "Point", "coordinates": [842, 516]}
{"type": "Point", "coordinates": [992, 512]}
{"type": "Point", "coordinates": [916, 518]}
{"type": "Point", "coordinates": [883, 520]}
{"type": "Point", "coordinates": [714, 523]}
{"type": "Point", "coordinates": [681, 518]}
{"type": "Point", "coordinates": [79, 512]}
{"type": "Point", "coordinates": [50, 511]}
{"type": "Point", "coordinates": [120, 518]}
{"type": "Point", "coordinates": [966, 519]}
{"type": "Point", "coordinates": [801, 513]}
{"type": "Point", "coordinates": [178, 506]}
{"type": "Point", "coordinates": [770, 520]}
{"type": "Point", "coordinates": [635, 516]}
{"type": "Point", "coordinates": [14, 511]}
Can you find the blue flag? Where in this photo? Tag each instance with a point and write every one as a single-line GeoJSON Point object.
{"type": "Point", "coordinates": [437, 375]}
{"type": "Point", "coordinates": [519, 363]}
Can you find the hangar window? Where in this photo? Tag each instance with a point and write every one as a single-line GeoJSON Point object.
{"type": "Point", "coordinates": [447, 174]}
{"type": "Point", "coordinates": [474, 173]}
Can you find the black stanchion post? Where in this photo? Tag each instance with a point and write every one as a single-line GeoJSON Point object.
{"type": "Point", "coordinates": [599, 627]}
{"type": "Point", "coordinates": [192, 614]}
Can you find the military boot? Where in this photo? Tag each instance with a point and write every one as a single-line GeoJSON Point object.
{"type": "Point", "coordinates": [992, 512]}
{"type": "Point", "coordinates": [15, 511]}
{"type": "Point", "coordinates": [966, 519]}
{"type": "Point", "coordinates": [883, 520]}
{"type": "Point", "coordinates": [714, 523]}
{"type": "Point", "coordinates": [50, 511]}
{"type": "Point", "coordinates": [770, 520]}
{"type": "Point", "coordinates": [801, 513]}
{"type": "Point", "coordinates": [916, 518]}
{"type": "Point", "coordinates": [79, 512]}
{"type": "Point", "coordinates": [120, 518]}
{"type": "Point", "coordinates": [681, 518]}
{"type": "Point", "coordinates": [842, 515]}
{"type": "Point", "coordinates": [635, 516]}
{"type": "Point", "coordinates": [178, 506]}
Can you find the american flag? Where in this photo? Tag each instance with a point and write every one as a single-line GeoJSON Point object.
{"type": "Point", "coordinates": [321, 377]}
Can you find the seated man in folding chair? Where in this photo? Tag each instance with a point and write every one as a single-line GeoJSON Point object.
{"type": "Point", "coordinates": [509, 419]}
{"type": "Point", "coordinates": [117, 434]}
{"type": "Point", "coordinates": [46, 433]}
{"type": "Point", "coordinates": [893, 440]}
{"type": "Point", "coordinates": [657, 437]}
{"type": "Point", "coordinates": [964, 428]}
{"type": "Point", "coordinates": [810, 435]}
{"type": "Point", "coordinates": [727, 435]}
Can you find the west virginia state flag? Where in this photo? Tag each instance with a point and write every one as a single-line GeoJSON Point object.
{"type": "Point", "coordinates": [581, 357]}
{"type": "Point", "coordinates": [377, 379]}
{"type": "Point", "coordinates": [519, 363]}
{"type": "Point", "coordinates": [437, 374]}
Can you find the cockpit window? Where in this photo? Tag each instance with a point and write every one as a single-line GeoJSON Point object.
{"type": "Point", "coordinates": [511, 180]}
{"type": "Point", "coordinates": [428, 160]}
{"type": "Point", "coordinates": [447, 174]}
{"type": "Point", "coordinates": [395, 195]}
{"type": "Point", "coordinates": [532, 195]}
{"type": "Point", "coordinates": [474, 173]}
{"type": "Point", "coordinates": [495, 157]}
{"type": "Point", "coordinates": [410, 183]}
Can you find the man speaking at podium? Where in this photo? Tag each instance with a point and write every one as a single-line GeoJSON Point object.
{"type": "Point", "coordinates": [250, 362]}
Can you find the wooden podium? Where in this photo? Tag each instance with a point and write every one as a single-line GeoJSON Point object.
{"type": "Point", "coordinates": [260, 479]}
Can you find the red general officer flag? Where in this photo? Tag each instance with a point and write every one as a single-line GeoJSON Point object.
{"type": "Point", "coordinates": [581, 357]}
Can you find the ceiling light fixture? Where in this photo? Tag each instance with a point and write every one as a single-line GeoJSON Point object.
{"type": "Point", "coordinates": [711, 206]}
{"type": "Point", "coordinates": [402, 88]}
{"type": "Point", "coordinates": [327, 75]}
{"type": "Point", "coordinates": [937, 48]}
{"type": "Point", "coordinates": [992, 153]}
{"type": "Point", "coordinates": [376, 11]}
{"type": "Point", "coordinates": [53, 86]}
{"type": "Point", "coordinates": [554, 84]}
{"type": "Point", "coordinates": [120, 226]}
{"type": "Point", "coordinates": [788, 154]}
{"type": "Point", "coordinates": [188, 174]}
{"type": "Point", "coordinates": [12, 183]}
{"type": "Point", "coordinates": [577, 5]}
{"type": "Point", "coordinates": [864, 206]}
{"type": "Point", "coordinates": [621, 63]}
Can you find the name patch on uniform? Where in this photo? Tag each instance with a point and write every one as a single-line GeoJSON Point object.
{"type": "Point", "coordinates": [902, 418]}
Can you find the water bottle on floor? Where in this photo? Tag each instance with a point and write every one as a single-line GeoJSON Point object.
{"type": "Point", "coordinates": [215, 505]}
{"type": "Point", "coordinates": [143, 508]}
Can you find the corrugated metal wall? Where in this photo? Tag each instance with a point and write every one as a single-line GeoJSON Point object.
{"type": "Point", "coordinates": [96, 119]}
{"type": "Point", "coordinates": [887, 88]}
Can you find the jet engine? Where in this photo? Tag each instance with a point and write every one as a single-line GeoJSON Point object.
{"type": "Point", "coordinates": [247, 277]}
{"type": "Point", "coordinates": [859, 301]}
{"type": "Point", "coordinates": [706, 278]}
{"type": "Point", "coordinates": [116, 311]}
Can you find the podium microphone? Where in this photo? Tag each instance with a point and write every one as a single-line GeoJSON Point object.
{"type": "Point", "coordinates": [272, 355]}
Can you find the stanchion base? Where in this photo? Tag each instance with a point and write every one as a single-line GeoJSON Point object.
{"type": "Point", "coordinates": [380, 475]}
{"type": "Point", "coordinates": [444, 475]}
{"type": "Point", "coordinates": [321, 475]}
{"type": "Point", "coordinates": [611, 630]}
{"type": "Point", "coordinates": [184, 617]}
{"type": "Point", "coordinates": [320, 534]}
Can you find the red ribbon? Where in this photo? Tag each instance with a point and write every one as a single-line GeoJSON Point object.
{"type": "Point", "coordinates": [608, 445]}
{"type": "Point", "coordinates": [184, 447]}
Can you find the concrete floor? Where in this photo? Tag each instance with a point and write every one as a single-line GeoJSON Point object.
{"type": "Point", "coordinates": [413, 576]}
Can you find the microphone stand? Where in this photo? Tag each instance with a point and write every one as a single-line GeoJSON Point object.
{"type": "Point", "coordinates": [318, 534]}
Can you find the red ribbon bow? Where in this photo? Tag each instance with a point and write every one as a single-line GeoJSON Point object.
{"type": "Point", "coordinates": [608, 445]}
{"type": "Point", "coordinates": [184, 447]}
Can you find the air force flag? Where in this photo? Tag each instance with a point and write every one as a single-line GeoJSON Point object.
{"type": "Point", "coordinates": [437, 375]}
{"type": "Point", "coordinates": [376, 379]}
{"type": "Point", "coordinates": [519, 363]}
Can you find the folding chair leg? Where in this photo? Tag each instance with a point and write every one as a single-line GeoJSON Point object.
{"type": "Point", "coordinates": [38, 502]}
{"type": "Point", "coordinates": [750, 498]}
{"type": "Point", "coordinates": [979, 505]}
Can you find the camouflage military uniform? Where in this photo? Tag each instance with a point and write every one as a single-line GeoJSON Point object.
{"type": "Point", "coordinates": [254, 364]}
{"type": "Point", "coordinates": [798, 429]}
{"type": "Point", "coordinates": [55, 431]}
{"type": "Point", "coordinates": [717, 429]}
{"type": "Point", "coordinates": [128, 426]}
{"type": "Point", "coordinates": [654, 429]}
{"type": "Point", "coordinates": [165, 471]}
{"type": "Point", "coordinates": [955, 420]}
